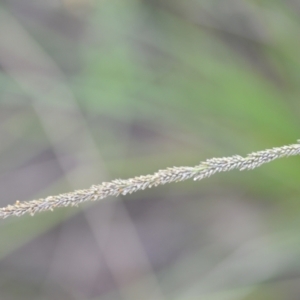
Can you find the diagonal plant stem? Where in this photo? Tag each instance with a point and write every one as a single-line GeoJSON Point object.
{"type": "Point", "coordinates": [124, 186]}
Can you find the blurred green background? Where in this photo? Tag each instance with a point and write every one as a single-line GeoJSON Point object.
{"type": "Point", "coordinates": [91, 91]}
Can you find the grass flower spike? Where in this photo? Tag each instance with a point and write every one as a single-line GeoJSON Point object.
{"type": "Point", "coordinates": [124, 186]}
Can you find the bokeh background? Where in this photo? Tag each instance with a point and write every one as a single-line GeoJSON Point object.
{"type": "Point", "coordinates": [91, 91]}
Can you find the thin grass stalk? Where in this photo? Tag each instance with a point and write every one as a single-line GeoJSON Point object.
{"type": "Point", "coordinates": [127, 186]}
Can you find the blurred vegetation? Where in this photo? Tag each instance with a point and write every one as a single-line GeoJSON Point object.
{"type": "Point", "coordinates": [97, 90]}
